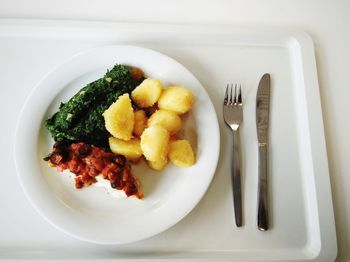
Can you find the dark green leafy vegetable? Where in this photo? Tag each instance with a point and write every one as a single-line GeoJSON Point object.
{"type": "Point", "coordinates": [80, 119]}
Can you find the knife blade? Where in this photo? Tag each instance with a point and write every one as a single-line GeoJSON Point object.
{"type": "Point", "coordinates": [262, 125]}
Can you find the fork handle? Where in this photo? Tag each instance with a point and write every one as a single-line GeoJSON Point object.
{"type": "Point", "coordinates": [236, 178]}
{"type": "Point", "coordinates": [263, 214]}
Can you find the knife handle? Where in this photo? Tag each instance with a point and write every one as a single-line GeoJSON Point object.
{"type": "Point", "coordinates": [263, 214]}
{"type": "Point", "coordinates": [236, 178]}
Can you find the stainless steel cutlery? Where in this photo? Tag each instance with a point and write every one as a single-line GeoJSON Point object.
{"type": "Point", "coordinates": [233, 117]}
{"type": "Point", "coordinates": [262, 127]}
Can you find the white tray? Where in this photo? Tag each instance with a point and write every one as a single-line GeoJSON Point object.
{"type": "Point", "coordinates": [302, 211]}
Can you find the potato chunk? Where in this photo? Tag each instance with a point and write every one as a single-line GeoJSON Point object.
{"type": "Point", "coordinates": [167, 119]}
{"type": "Point", "coordinates": [158, 165]}
{"type": "Point", "coordinates": [119, 118]}
{"type": "Point", "coordinates": [154, 143]}
{"type": "Point", "coordinates": [147, 93]}
{"type": "Point", "coordinates": [181, 153]}
{"type": "Point", "coordinates": [140, 122]}
{"type": "Point", "coordinates": [177, 99]}
{"type": "Point", "coordinates": [130, 149]}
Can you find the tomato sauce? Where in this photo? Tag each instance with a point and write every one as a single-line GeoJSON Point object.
{"type": "Point", "coordinates": [87, 161]}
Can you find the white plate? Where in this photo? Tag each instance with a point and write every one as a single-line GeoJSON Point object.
{"type": "Point", "coordinates": [91, 214]}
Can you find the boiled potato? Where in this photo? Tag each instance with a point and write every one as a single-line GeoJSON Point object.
{"type": "Point", "coordinates": [140, 122]}
{"type": "Point", "coordinates": [181, 153]}
{"type": "Point", "coordinates": [154, 143]}
{"type": "Point", "coordinates": [158, 165]}
{"type": "Point", "coordinates": [130, 149]}
{"type": "Point", "coordinates": [119, 118]}
{"type": "Point", "coordinates": [147, 93]}
{"type": "Point", "coordinates": [167, 119]}
{"type": "Point", "coordinates": [177, 99]}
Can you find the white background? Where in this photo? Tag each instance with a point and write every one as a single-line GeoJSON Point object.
{"type": "Point", "coordinates": [328, 23]}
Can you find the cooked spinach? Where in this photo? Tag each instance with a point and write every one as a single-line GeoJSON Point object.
{"type": "Point", "coordinates": [80, 119]}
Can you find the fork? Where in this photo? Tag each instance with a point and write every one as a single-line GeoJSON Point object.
{"type": "Point", "coordinates": [233, 116]}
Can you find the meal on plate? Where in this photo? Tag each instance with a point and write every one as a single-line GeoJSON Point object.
{"type": "Point", "coordinates": [115, 121]}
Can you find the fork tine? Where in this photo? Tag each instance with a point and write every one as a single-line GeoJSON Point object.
{"type": "Point", "coordinates": [231, 101]}
{"type": "Point", "coordinates": [239, 95]}
{"type": "Point", "coordinates": [226, 95]}
{"type": "Point", "coordinates": [235, 97]}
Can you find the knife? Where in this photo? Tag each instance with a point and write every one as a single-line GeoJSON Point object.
{"type": "Point", "coordinates": [262, 125]}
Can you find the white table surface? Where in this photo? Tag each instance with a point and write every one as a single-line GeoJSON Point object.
{"type": "Point", "coordinates": [328, 23]}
